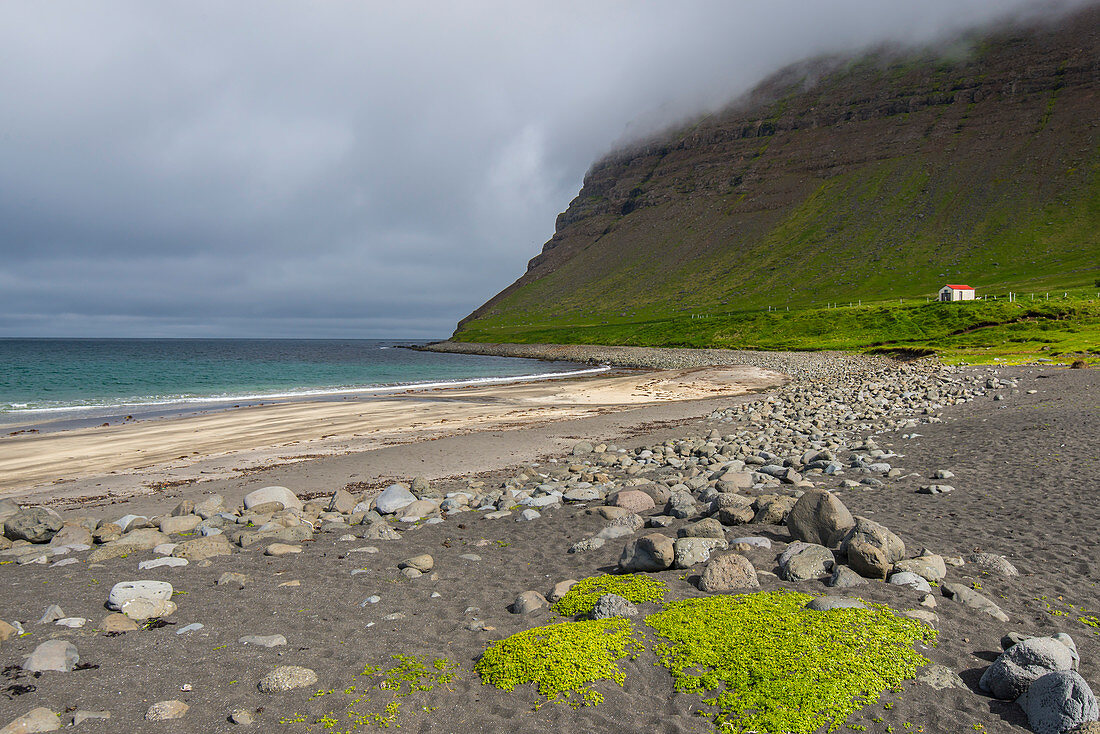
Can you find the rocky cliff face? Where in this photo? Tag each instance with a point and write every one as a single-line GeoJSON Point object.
{"type": "Point", "coordinates": [843, 179]}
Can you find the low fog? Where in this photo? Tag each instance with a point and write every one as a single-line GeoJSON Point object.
{"type": "Point", "coordinates": [349, 169]}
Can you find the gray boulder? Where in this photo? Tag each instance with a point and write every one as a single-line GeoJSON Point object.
{"type": "Point", "coordinates": [772, 509]}
{"type": "Point", "coordinates": [993, 563]}
{"type": "Point", "coordinates": [1058, 702]}
{"type": "Point", "coordinates": [692, 551]}
{"type": "Point", "coordinates": [393, 498]}
{"type": "Point", "coordinates": [912, 580]}
{"type": "Point", "coordinates": [613, 605]}
{"type": "Point", "coordinates": [826, 603]}
{"type": "Point", "coordinates": [865, 533]}
{"type": "Point", "coordinates": [341, 501]}
{"type": "Point", "coordinates": [967, 596]}
{"type": "Point", "coordinates": [845, 578]}
{"type": "Point", "coordinates": [1022, 664]}
{"type": "Point", "coordinates": [681, 505]}
{"type": "Point", "coordinates": [33, 524]}
{"type": "Point", "coordinates": [52, 655]}
{"type": "Point", "coordinates": [652, 552]}
{"type": "Point", "coordinates": [263, 496]}
{"type": "Point", "coordinates": [528, 602]}
{"type": "Point", "coordinates": [805, 561]}
{"type": "Point", "coordinates": [705, 528]}
{"type": "Point", "coordinates": [733, 509]}
{"type": "Point", "coordinates": [820, 518]}
{"type": "Point", "coordinates": [729, 572]}
{"type": "Point", "coordinates": [928, 566]}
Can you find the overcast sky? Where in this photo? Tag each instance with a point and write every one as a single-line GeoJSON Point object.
{"type": "Point", "coordinates": [347, 169]}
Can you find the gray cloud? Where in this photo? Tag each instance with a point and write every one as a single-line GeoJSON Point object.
{"type": "Point", "coordinates": [348, 168]}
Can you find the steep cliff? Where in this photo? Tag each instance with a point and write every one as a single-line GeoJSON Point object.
{"type": "Point", "coordinates": [839, 180]}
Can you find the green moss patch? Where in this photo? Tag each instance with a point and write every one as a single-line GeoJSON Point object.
{"type": "Point", "coordinates": [383, 697]}
{"type": "Point", "coordinates": [633, 587]}
{"type": "Point", "coordinates": [561, 659]}
{"type": "Point", "coordinates": [768, 665]}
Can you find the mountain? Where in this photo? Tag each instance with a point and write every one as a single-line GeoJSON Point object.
{"type": "Point", "coordinates": [875, 178]}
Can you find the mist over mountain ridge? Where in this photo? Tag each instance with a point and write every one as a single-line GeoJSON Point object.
{"type": "Point", "coordinates": [877, 176]}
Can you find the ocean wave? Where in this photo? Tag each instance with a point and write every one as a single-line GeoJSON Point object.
{"type": "Point", "coordinates": [25, 409]}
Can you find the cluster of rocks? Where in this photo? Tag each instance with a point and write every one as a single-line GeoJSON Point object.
{"type": "Point", "coordinates": [764, 469]}
{"type": "Point", "coordinates": [1040, 675]}
{"type": "Point", "coordinates": [795, 364]}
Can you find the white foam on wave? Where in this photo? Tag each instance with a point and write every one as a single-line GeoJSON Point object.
{"type": "Point", "coordinates": [23, 410]}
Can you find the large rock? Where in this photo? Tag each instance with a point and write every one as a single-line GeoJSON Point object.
{"type": "Point", "coordinates": [33, 524]}
{"type": "Point", "coordinates": [199, 549]}
{"type": "Point", "coordinates": [613, 605]}
{"type": "Point", "coordinates": [773, 509]}
{"type": "Point", "coordinates": [173, 525]}
{"type": "Point", "coordinates": [293, 534]}
{"type": "Point", "coordinates": [282, 495]}
{"type": "Point", "coordinates": [72, 535]}
{"type": "Point", "coordinates": [287, 678]}
{"type": "Point", "coordinates": [142, 539]}
{"type": "Point", "coordinates": [693, 551]}
{"type": "Point", "coordinates": [805, 561]}
{"type": "Point", "coordinates": [910, 580]}
{"type": "Point", "coordinates": [733, 509]}
{"type": "Point", "coordinates": [210, 506]}
{"type": "Point", "coordinates": [528, 602]}
{"type": "Point", "coordinates": [652, 552]}
{"type": "Point", "coordinates": [341, 501]}
{"type": "Point", "coordinates": [729, 572]}
{"type": "Point", "coordinates": [34, 721]}
{"type": "Point", "coordinates": [871, 533]}
{"type": "Point", "coordinates": [1022, 664]}
{"type": "Point", "coordinates": [1058, 702]}
{"type": "Point", "coordinates": [418, 509]}
{"type": "Point", "coordinates": [422, 563]}
{"type": "Point", "coordinates": [633, 500]}
{"type": "Point", "coordinates": [166, 710]}
{"type": "Point", "coordinates": [845, 578]}
{"type": "Point", "coordinates": [993, 563]}
{"type": "Point", "coordinates": [393, 498]}
{"type": "Point", "coordinates": [867, 560]}
{"type": "Point", "coordinates": [828, 603]}
{"type": "Point", "coordinates": [820, 518]}
{"type": "Point", "coordinates": [967, 596]}
{"type": "Point", "coordinates": [127, 590]}
{"type": "Point", "coordinates": [929, 567]}
{"type": "Point", "coordinates": [705, 528]}
{"type": "Point", "coordinates": [52, 655]}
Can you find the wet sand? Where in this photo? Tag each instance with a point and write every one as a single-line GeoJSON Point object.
{"type": "Point", "coordinates": [136, 457]}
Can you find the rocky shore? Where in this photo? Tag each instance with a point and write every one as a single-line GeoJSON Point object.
{"type": "Point", "coordinates": [795, 364]}
{"type": "Point", "coordinates": [879, 497]}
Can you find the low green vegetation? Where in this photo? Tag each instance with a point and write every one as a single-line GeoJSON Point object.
{"type": "Point", "coordinates": [1064, 325]}
{"type": "Point", "coordinates": [582, 596]}
{"type": "Point", "coordinates": [561, 659]}
{"type": "Point", "coordinates": [410, 677]}
{"type": "Point", "coordinates": [768, 665]}
{"type": "Point", "coordinates": [761, 661]}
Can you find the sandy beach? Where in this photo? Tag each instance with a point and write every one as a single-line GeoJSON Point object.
{"type": "Point", "coordinates": [133, 458]}
{"type": "Point", "coordinates": [1022, 465]}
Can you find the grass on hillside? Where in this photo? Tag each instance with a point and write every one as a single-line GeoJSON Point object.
{"type": "Point", "coordinates": [1061, 329]}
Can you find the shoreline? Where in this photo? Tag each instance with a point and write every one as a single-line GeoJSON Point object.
{"type": "Point", "coordinates": [95, 415]}
{"type": "Point", "coordinates": [341, 601]}
{"type": "Point", "coordinates": [131, 458]}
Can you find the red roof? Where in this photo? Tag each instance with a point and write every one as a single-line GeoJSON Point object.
{"type": "Point", "coordinates": [959, 287]}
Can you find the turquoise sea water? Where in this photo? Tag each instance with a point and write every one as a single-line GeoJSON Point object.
{"type": "Point", "coordinates": [47, 379]}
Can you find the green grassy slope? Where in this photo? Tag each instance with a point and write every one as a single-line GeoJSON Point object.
{"type": "Point", "coordinates": [881, 182]}
{"type": "Point", "coordinates": [1067, 327]}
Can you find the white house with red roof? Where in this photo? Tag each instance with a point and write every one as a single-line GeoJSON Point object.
{"type": "Point", "coordinates": [956, 293]}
